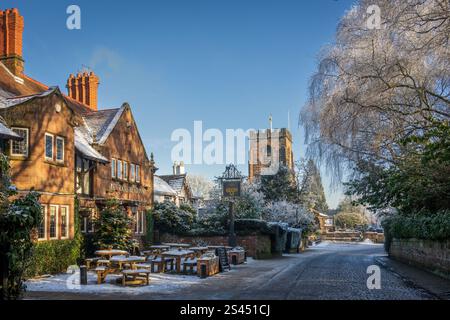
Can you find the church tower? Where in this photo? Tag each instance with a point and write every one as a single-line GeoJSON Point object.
{"type": "Point", "coordinates": [268, 146]}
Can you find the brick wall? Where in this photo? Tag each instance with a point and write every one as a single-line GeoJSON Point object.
{"type": "Point", "coordinates": [257, 246]}
{"type": "Point", "coordinates": [431, 255]}
{"type": "Point", "coordinates": [374, 236]}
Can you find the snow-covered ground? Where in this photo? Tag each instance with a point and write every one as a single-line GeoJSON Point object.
{"type": "Point", "coordinates": [159, 282]}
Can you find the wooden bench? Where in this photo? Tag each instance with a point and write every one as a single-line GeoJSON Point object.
{"type": "Point", "coordinates": [102, 272]}
{"type": "Point", "coordinates": [162, 263]}
{"type": "Point", "coordinates": [90, 262]}
{"type": "Point", "coordinates": [103, 263]}
{"type": "Point", "coordinates": [189, 263]}
{"type": "Point", "coordinates": [138, 276]}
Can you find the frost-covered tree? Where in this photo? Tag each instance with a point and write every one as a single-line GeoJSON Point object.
{"type": "Point", "coordinates": [376, 87]}
{"type": "Point", "coordinates": [200, 186]}
{"type": "Point", "coordinates": [309, 181]}
{"type": "Point", "coordinates": [250, 204]}
{"type": "Point", "coordinates": [287, 212]}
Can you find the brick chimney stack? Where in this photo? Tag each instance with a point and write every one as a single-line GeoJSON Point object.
{"type": "Point", "coordinates": [11, 33]}
{"type": "Point", "coordinates": [84, 88]}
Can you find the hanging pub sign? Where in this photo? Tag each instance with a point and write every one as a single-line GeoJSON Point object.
{"type": "Point", "coordinates": [231, 188]}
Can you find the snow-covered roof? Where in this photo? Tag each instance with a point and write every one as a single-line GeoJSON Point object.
{"type": "Point", "coordinates": [162, 188]}
{"type": "Point", "coordinates": [6, 133]}
{"type": "Point", "coordinates": [176, 182]}
{"type": "Point", "coordinates": [6, 100]}
{"type": "Point", "coordinates": [101, 123]}
{"type": "Point", "coordinates": [83, 146]}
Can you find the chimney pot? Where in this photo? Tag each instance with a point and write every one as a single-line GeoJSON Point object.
{"type": "Point", "coordinates": [84, 88]}
{"type": "Point", "coordinates": [11, 40]}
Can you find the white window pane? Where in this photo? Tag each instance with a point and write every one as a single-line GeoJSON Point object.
{"type": "Point", "coordinates": [52, 221]}
{"type": "Point", "coordinates": [48, 147]}
{"type": "Point", "coordinates": [60, 149]}
{"type": "Point", "coordinates": [113, 168]}
{"type": "Point", "coordinates": [64, 222]}
{"type": "Point", "coordinates": [20, 147]}
{"type": "Point", "coordinates": [119, 169]}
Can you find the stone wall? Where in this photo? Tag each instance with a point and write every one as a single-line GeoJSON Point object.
{"type": "Point", "coordinates": [342, 236]}
{"type": "Point", "coordinates": [427, 254]}
{"type": "Point", "coordinates": [374, 237]}
{"type": "Point", "coordinates": [257, 246]}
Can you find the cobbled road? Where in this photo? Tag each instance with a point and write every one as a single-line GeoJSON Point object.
{"type": "Point", "coordinates": [326, 271]}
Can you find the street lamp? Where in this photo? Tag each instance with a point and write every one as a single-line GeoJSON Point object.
{"type": "Point", "coordinates": [231, 181]}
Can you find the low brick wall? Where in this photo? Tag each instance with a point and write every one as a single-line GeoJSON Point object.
{"type": "Point", "coordinates": [256, 246]}
{"type": "Point", "coordinates": [427, 254]}
{"type": "Point", "coordinates": [341, 236]}
{"type": "Point", "coordinates": [374, 237]}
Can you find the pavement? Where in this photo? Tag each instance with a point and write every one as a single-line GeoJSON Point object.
{"type": "Point", "coordinates": [328, 271]}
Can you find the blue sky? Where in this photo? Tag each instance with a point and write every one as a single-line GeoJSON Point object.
{"type": "Point", "coordinates": [228, 63]}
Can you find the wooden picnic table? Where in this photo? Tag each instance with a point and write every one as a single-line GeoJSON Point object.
{"type": "Point", "coordinates": [177, 245]}
{"type": "Point", "coordinates": [123, 260]}
{"type": "Point", "coordinates": [156, 249]}
{"type": "Point", "coordinates": [216, 247]}
{"type": "Point", "coordinates": [177, 255]}
{"type": "Point", "coordinates": [111, 252]}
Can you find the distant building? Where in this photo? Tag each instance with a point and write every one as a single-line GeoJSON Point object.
{"type": "Point", "coordinates": [163, 191]}
{"type": "Point", "coordinates": [178, 182]}
{"type": "Point", "coordinates": [266, 146]}
{"type": "Point", "coordinates": [325, 222]}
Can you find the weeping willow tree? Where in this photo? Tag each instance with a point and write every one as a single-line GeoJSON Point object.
{"type": "Point", "coordinates": [381, 96]}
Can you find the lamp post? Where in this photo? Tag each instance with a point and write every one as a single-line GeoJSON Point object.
{"type": "Point", "coordinates": [231, 181]}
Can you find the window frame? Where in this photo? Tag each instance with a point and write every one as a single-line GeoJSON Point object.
{"type": "Point", "coordinates": [45, 146]}
{"type": "Point", "coordinates": [132, 172]}
{"type": "Point", "coordinates": [67, 221]}
{"type": "Point", "coordinates": [119, 170]}
{"type": "Point", "coordinates": [27, 146]}
{"type": "Point", "coordinates": [113, 168]}
{"type": "Point", "coordinates": [63, 148]}
{"type": "Point", "coordinates": [142, 221]}
{"type": "Point", "coordinates": [44, 220]}
{"type": "Point", "coordinates": [56, 221]}
{"type": "Point", "coordinates": [138, 175]}
{"type": "Point", "coordinates": [125, 170]}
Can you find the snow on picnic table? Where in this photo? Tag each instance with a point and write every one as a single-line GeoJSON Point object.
{"type": "Point", "coordinates": [159, 282]}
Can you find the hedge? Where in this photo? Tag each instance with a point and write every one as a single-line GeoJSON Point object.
{"type": "Point", "coordinates": [51, 257]}
{"type": "Point", "coordinates": [418, 226]}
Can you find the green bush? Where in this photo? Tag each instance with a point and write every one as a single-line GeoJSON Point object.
{"type": "Point", "coordinates": [171, 219]}
{"type": "Point", "coordinates": [50, 257]}
{"type": "Point", "coordinates": [113, 228]}
{"type": "Point", "coordinates": [150, 226]}
{"type": "Point", "coordinates": [19, 216]}
{"type": "Point", "coordinates": [417, 226]}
